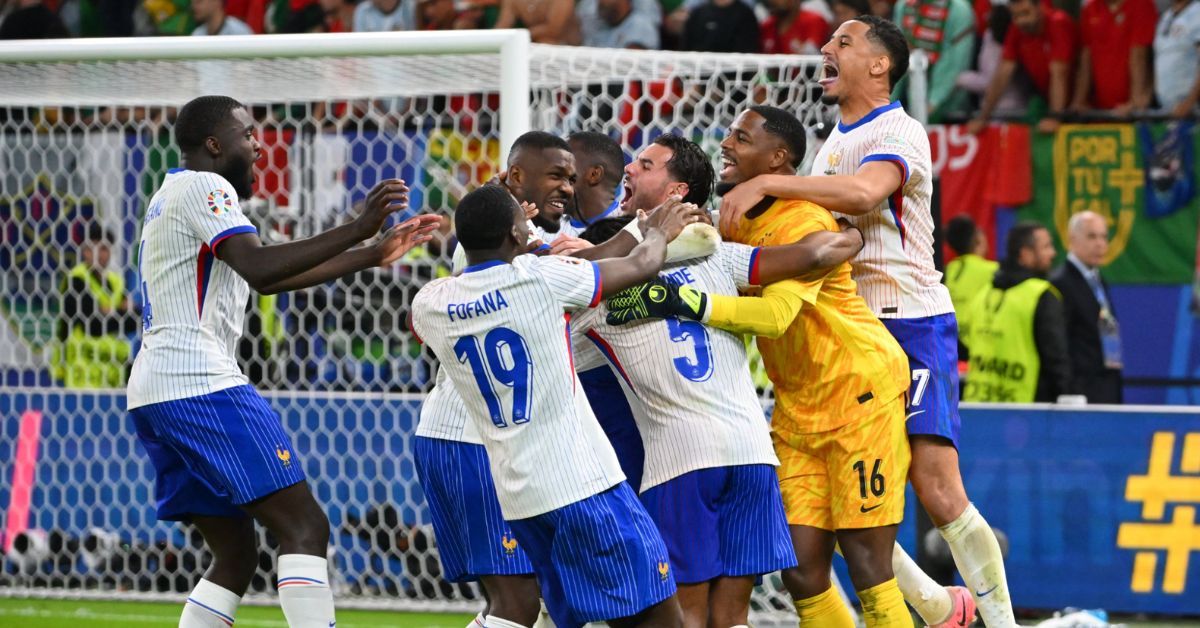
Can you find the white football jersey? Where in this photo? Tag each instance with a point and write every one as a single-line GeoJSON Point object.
{"type": "Point", "coordinates": [700, 408]}
{"type": "Point", "coordinates": [894, 271]}
{"type": "Point", "coordinates": [193, 305]}
{"type": "Point", "coordinates": [501, 332]}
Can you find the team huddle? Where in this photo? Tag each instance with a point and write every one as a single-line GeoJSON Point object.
{"type": "Point", "coordinates": [594, 439]}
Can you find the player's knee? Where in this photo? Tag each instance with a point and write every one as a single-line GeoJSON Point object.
{"type": "Point", "coordinates": [943, 498]}
{"type": "Point", "coordinates": [806, 581]}
{"type": "Point", "coordinates": [869, 563]}
{"type": "Point", "coordinates": [305, 534]}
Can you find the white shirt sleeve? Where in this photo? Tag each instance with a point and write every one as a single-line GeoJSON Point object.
{"type": "Point", "coordinates": [575, 283]}
{"type": "Point", "coordinates": [212, 210]}
{"type": "Point", "coordinates": [897, 149]}
{"type": "Point", "coordinates": [740, 262]}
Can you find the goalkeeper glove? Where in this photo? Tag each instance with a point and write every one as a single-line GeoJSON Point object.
{"type": "Point", "coordinates": [657, 299]}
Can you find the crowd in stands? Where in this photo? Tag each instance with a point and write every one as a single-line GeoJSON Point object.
{"type": "Point", "coordinates": [1057, 59]}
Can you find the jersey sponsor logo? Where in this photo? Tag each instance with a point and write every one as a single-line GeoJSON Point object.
{"type": "Point", "coordinates": [509, 544]}
{"type": "Point", "coordinates": [284, 455]}
{"type": "Point", "coordinates": [219, 202]}
{"type": "Point", "coordinates": [664, 570]}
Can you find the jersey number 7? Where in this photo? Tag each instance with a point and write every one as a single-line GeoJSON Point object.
{"type": "Point", "coordinates": [503, 356]}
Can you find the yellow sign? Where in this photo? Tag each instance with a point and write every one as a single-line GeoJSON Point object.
{"type": "Point", "coordinates": [1095, 169]}
{"type": "Point", "coordinates": [1176, 538]}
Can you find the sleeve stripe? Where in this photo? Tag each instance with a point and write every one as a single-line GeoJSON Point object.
{"type": "Point", "coordinates": [599, 285]}
{"type": "Point", "coordinates": [896, 159]}
{"type": "Point", "coordinates": [753, 278]}
{"type": "Point", "coordinates": [232, 231]}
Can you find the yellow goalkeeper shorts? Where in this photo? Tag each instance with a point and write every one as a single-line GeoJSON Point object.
{"type": "Point", "coordinates": [847, 478]}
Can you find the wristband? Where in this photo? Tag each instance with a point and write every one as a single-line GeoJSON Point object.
{"type": "Point", "coordinates": [634, 230]}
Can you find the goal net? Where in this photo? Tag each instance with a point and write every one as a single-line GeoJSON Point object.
{"type": "Point", "coordinates": [87, 138]}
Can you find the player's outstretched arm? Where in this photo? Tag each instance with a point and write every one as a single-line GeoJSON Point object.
{"type": "Point", "coordinates": [769, 315]}
{"type": "Point", "coordinates": [265, 266]}
{"type": "Point", "coordinates": [390, 247]}
{"type": "Point", "coordinates": [646, 259]}
{"type": "Point", "coordinates": [854, 194]}
{"type": "Point", "coordinates": [817, 251]}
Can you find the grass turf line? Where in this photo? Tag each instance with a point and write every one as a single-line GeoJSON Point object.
{"type": "Point", "coordinates": [36, 613]}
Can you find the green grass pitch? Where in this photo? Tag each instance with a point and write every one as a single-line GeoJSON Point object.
{"type": "Point", "coordinates": [34, 613]}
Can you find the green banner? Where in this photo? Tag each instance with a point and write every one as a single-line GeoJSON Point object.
{"type": "Point", "coordinates": [1099, 167]}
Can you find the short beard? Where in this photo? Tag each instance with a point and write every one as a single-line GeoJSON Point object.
{"type": "Point", "coordinates": [828, 100]}
{"type": "Point", "coordinates": [240, 173]}
{"type": "Point", "coordinates": [723, 187]}
{"type": "Point", "coordinates": [546, 225]}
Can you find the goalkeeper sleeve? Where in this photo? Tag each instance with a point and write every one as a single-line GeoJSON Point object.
{"type": "Point", "coordinates": [769, 315]}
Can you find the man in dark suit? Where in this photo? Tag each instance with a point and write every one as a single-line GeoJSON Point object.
{"type": "Point", "coordinates": [1093, 335]}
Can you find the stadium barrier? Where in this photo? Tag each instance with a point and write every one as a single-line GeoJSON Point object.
{"type": "Point", "coordinates": [1098, 503]}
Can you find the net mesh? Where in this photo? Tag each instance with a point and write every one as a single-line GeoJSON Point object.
{"type": "Point", "coordinates": [84, 147]}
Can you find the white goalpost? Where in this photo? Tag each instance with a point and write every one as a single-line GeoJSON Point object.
{"type": "Point", "coordinates": [86, 135]}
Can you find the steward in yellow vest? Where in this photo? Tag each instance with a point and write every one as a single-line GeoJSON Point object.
{"type": "Point", "coordinates": [93, 349]}
{"type": "Point", "coordinates": [971, 272]}
{"type": "Point", "coordinates": [1016, 335]}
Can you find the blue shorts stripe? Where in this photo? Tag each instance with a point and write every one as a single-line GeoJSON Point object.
{"type": "Point", "coordinates": [722, 521]}
{"type": "Point", "coordinates": [932, 348]}
{"type": "Point", "coordinates": [215, 452]}
{"type": "Point", "coordinates": [472, 537]}
{"type": "Point", "coordinates": [597, 559]}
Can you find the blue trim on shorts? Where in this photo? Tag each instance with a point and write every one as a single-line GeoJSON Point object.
{"type": "Point", "coordinates": [215, 452]}
{"type": "Point", "coordinates": [722, 521]}
{"type": "Point", "coordinates": [932, 346]}
{"type": "Point", "coordinates": [597, 559]}
{"type": "Point", "coordinates": [472, 537]}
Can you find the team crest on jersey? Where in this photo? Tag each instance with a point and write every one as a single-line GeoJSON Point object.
{"type": "Point", "coordinates": [509, 544]}
{"type": "Point", "coordinates": [219, 202]}
{"type": "Point", "coordinates": [834, 160]}
{"type": "Point", "coordinates": [664, 570]}
{"type": "Point", "coordinates": [284, 456]}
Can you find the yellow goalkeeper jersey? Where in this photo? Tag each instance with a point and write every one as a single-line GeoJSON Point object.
{"type": "Point", "coordinates": [836, 363]}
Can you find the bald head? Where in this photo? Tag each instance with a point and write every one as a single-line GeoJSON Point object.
{"type": "Point", "coordinates": [1087, 238]}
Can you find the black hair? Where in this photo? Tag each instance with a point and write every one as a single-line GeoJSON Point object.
{"type": "Point", "coordinates": [960, 233]}
{"type": "Point", "coordinates": [999, 19]}
{"type": "Point", "coordinates": [199, 118]}
{"type": "Point", "coordinates": [536, 140]}
{"type": "Point", "coordinates": [604, 229]}
{"type": "Point", "coordinates": [1020, 237]}
{"type": "Point", "coordinates": [97, 233]}
{"type": "Point", "coordinates": [785, 126]}
{"type": "Point", "coordinates": [484, 217]}
{"type": "Point", "coordinates": [887, 34]}
{"type": "Point", "coordinates": [861, 7]}
{"type": "Point", "coordinates": [689, 164]}
{"type": "Point", "coordinates": [601, 149]}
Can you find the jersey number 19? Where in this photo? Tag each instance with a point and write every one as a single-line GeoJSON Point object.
{"type": "Point", "coordinates": [503, 356]}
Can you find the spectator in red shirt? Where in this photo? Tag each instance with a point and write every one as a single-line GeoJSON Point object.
{"type": "Point", "coordinates": [789, 29]}
{"type": "Point", "coordinates": [1116, 37]}
{"type": "Point", "coordinates": [1043, 44]}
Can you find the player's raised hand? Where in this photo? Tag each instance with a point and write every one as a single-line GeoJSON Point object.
{"type": "Point", "coordinates": [401, 238]}
{"type": "Point", "coordinates": [656, 299]}
{"type": "Point", "coordinates": [567, 245]}
{"type": "Point", "coordinates": [530, 210]}
{"type": "Point", "coordinates": [387, 197]}
{"type": "Point", "coordinates": [671, 217]}
{"type": "Point", "coordinates": [737, 202]}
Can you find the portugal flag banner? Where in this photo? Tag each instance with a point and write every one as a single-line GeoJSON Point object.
{"type": "Point", "coordinates": [1100, 167]}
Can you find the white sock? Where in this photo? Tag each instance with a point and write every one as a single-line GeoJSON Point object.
{"type": "Point", "coordinates": [491, 621]}
{"type": "Point", "coordinates": [304, 591]}
{"type": "Point", "coordinates": [930, 599]}
{"type": "Point", "coordinates": [977, 556]}
{"type": "Point", "coordinates": [477, 622]}
{"type": "Point", "coordinates": [209, 606]}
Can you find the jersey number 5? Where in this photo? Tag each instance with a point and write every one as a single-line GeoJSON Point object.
{"type": "Point", "coordinates": [503, 356]}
